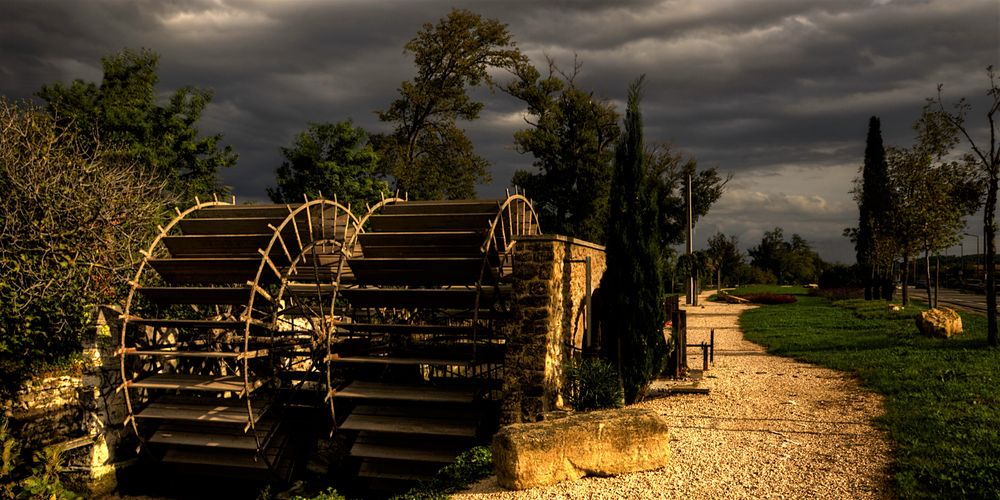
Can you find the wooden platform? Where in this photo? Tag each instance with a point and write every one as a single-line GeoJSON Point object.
{"type": "Point", "coordinates": [224, 411]}
{"type": "Point", "coordinates": [362, 390]}
{"type": "Point", "coordinates": [184, 382]}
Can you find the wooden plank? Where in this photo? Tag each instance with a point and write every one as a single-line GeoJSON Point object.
{"type": "Point", "coordinates": [405, 329]}
{"type": "Point", "coordinates": [409, 425]}
{"type": "Point", "coordinates": [196, 354]}
{"type": "Point", "coordinates": [210, 271]}
{"type": "Point", "coordinates": [243, 211]}
{"type": "Point", "coordinates": [229, 225]}
{"type": "Point", "coordinates": [443, 207]}
{"type": "Point", "coordinates": [204, 439]}
{"type": "Point", "coordinates": [223, 244]}
{"type": "Point", "coordinates": [223, 411]}
{"type": "Point", "coordinates": [440, 298]}
{"type": "Point", "coordinates": [416, 454]}
{"type": "Point", "coordinates": [432, 222]}
{"type": "Point", "coordinates": [376, 391]}
{"type": "Point", "coordinates": [233, 325]}
{"type": "Point", "coordinates": [188, 382]}
{"type": "Point", "coordinates": [425, 238]}
{"type": "Point", "coordinates": [386, 360]}
{"type": "Point", "coordinates": [418, 271]}
{"type": "Point", "coordinates": [201, 295]}
{"type": "Point", "coordinates": [381, 471]}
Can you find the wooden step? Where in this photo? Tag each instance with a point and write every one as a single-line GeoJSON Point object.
{"type": "Point", "coordinates": [397, 329]}
{"type": "Point", "coordinates": [443, 207]}
{"type": "Point", "coordinates": [422, 222]}
{"type": "Point", "coordinates": [409, 425]}
{"type": "Point", "coordinates": [383, 471]}
{"type": "Point", "coordinates": [442, 271]}
{"type": "Point", "coordinates": [403, 361]}
{"type": "Point", "coordinates": [188, 382]}
{"type": "Point", "coordinates": [232, 245]}
{"type": "Point", "coordinates": [413, 298]}
{"type": "Point", "coordinates": [212, 271]}
{"type": "Point", "coordinates": [439, 239]}
{"type": "Point", "coordinates": [132, 351]}
{"type": "Point", "coordinates": [225, 458]}
{"type": "Point", "coordinates": [214, 410]}
{"type": "Point", "coordinates": [397, 452]}
{"type": "Point", "coordinates": [275, 211]}
{"type": "Point", "coordinates": [202, 295]}
{"type": "Point", "coordinates": [221, 324]}
{"type": "Point", "coordinates": [210, 437]}
{"type": "Point", "coordinates": [363, 390]}
{"type": "Point", "coordinates": [229, 225]}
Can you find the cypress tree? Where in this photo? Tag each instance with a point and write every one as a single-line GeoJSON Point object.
{"type": "Point", "coordinates": [875, 206]}
{"type": "Point", "coordinates": [632, 286]}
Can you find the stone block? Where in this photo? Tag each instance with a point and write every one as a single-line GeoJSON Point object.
{"type": "Point", "coordinates": [600, 443]}
{"type": "Point", "coordinates": [939, 322]}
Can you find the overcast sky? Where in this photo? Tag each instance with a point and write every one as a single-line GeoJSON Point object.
{"type": "Point", "coordinates": [777, 92]}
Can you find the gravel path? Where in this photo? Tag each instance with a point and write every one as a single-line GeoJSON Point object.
{"type": "Point", "coordinates": [771, 427]}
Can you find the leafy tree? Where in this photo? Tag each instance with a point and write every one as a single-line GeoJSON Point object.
{"type": "Point", "coordinates": [726, 254]}
{"type": "Point", "coordinates": [122, 111]}
{"type": "Point", "coordinates": [632, 285]}
{"type": "Point", "coordinates": [932, 196]}
{"type": "Point", "coordinates": [985, 157]}
{"type": "Point", "coordinates": [572, 135]}
{"type": "Point", "coordinates": [71, 217]}
{"type": "Point", "coordinates": [788, 261]}
{"type": "Point", "coordinates": [669, 170]}
{"type": "Point", "coordinates": [873, 240]}
{"type": "Point", "coordinates": [427, 154]}
{"type": "Point", "coordinates": [331, 158]}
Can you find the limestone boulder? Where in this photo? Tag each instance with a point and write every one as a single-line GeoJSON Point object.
{"type": "Point", "coordinates": [599, 443]}
{"type": "Point", "coordinates": [939, 322]}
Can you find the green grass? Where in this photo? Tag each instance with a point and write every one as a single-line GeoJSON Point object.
{"type": "Point", "coordinates": [942, 396]}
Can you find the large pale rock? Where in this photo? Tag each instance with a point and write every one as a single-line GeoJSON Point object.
{"type": "Point", "coordinates": [939, 322]}
{"type": "Point", "coordinates": [599, 443]}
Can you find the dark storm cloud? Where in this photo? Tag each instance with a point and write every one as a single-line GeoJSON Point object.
{"type": "Point", "coordinates": [776, 91]}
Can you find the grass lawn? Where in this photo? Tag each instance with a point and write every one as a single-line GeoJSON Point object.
{"type": "Point", "coordinates": [942, 396]}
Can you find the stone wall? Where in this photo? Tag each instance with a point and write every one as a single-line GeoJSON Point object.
{"type": "Point", "coordinates": [549, 321]}
{"type": "Point", "coordinates": [78, 409]}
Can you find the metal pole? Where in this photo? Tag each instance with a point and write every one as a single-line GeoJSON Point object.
{"type": "Point", "coordinates": [692, 292]}
{"type": "Point", "coordinates": [590, 318]}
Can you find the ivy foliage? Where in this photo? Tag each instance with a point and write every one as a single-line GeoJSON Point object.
{"type": "Point", "coordinates": [72, 217]}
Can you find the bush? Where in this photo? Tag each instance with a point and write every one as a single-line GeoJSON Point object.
{"type": "Point", "coordinates": [471, 466]}
{"type": "Point", "coordinates": [833, 294]}
{"type": "Point", "coordinates": [767, 298]}
{"type": "Point", "coordinates": [840, 276]}
{"type": "Point", "coordinates": [593, 384]}
{"type": "Point", "coordinates": [71, 220]}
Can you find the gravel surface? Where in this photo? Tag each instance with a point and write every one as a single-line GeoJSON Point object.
{"type": "Point", "coordinates": [771, 427]}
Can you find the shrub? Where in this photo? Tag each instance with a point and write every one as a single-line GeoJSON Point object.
{"type": "Point", "coordinates": [71, 220]}
{"type": "Point", "coordinates": [593, 384]}
{"type": "Point", "coordinates": [834, 294]}
{"type": "Point", "coordinates": [767, 298]}
{"type": "Point", "coordinates": [471, 466]}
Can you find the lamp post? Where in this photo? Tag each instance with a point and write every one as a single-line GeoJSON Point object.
{"type": "Point", "coordinates": [976, 236]}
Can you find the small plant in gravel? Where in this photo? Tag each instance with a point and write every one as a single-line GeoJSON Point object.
{"type": "Point", "coordinates": [593, 384]}
{"type": "Point", "coordinates": [471, 466]}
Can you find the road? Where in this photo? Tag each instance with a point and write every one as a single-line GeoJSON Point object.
{"type": "Point", "coordinates": [959, 299]}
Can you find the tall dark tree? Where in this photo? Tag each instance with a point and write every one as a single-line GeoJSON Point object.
{"type": "Point", "coordinates": [428, 154]}
{"type": "Point", "coordinates": [123, 112]}
{"type": "Point", "coordinates": [632, 286]}
{"type": "Point", "coordinates": [985, 156]}
{"type": "Point", "coordinates": [332, 159]}
{"type": "Point", "coordinates": [571, 136]}
{"type": "Point", "coordinates": [873, 243]}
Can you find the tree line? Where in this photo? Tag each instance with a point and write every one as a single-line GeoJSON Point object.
{"type": "Point", "coordinates": [913, 201]}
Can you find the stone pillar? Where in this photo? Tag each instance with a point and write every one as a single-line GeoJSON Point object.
{"type": "Point", "coordinates": [102, 405]}
{"type": "Point", "coordinates": [549, 289]}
